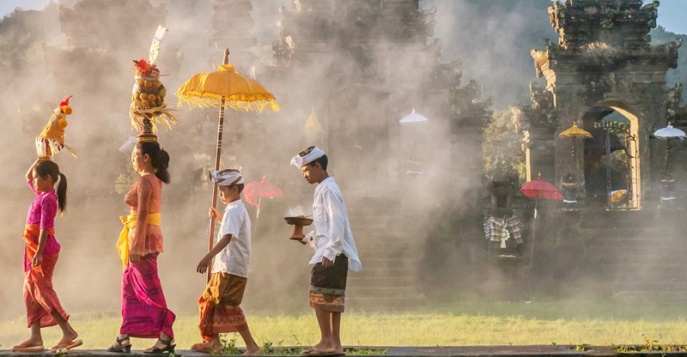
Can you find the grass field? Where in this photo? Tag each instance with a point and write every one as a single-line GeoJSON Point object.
{"type": "Point", "coordinates": [471, 322]}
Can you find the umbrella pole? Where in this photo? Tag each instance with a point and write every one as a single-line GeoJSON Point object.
{"type": "Point", "coordinates": [218, 155]}
{"type": "Point", "coordinates": [257, 217]}
{"type": "Point", "coordinates": [577, 161]}
{"type": "Point", "coordinates": [667, 154]}
{"type": "Point", "coordinates": [608, 169]}
{"type": "Point", "coordinates": [534, 230]}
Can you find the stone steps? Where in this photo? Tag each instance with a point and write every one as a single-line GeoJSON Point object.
{"type": "Point", "coordinates": [390, 256]}
{"type": "Point", "coordinates": [637, 252]}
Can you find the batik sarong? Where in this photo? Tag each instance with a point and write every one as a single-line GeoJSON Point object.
{"type": "Point", "coordinates": [328, 285]}
{"type": "Point", "coordinates": [219, 305]}
{"type": "Point", "coordinates": [40, 297]}
{"type": "Point", "coordinates": [144, 308]}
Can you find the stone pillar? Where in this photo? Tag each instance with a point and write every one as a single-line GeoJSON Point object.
{"type": "Point", "coordinates": [540, 154]}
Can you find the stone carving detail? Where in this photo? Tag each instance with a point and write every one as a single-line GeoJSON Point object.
{"type": "Point", "coordinates": [581, 22]}
{"type": "Point", "coordinates": [447, 75]}
{"type": "Point", "coordinates": [428, 21]}
{"type": "Point", "coordinates": [595, 89]}
{"type": "Point", "coordinates": [673, 98]}
{"type": "Point", "coordinates": [541, 113]}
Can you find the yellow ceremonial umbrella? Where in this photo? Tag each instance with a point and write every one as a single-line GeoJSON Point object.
{"type": "Point", "coordinates": [224, 88]}
{"type": "Point", "coordinates": [573, 132]}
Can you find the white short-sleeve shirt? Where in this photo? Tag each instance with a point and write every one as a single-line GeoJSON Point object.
{"type": "Point", "coordinates": [235, 257]}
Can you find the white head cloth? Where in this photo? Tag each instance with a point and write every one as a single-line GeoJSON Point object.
{"type": "Point", "coordinates": [307, 156]}
{"type": "Point", "coordinates": [226, 177]}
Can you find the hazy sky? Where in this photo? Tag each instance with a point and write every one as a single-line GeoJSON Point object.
{"type": "Point", "coordinates": [670, 12]}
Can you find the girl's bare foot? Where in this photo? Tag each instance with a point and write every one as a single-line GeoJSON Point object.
{"type": "Point", "coordinates": [30, 345]}
{"type": "Point", "coordinates": [255, 352]}
{"type": "Point", "coordinates": [68, 339]}
{"type": "Point", "coordinates": [69, 335]}
{"type": "Point", "coordinates": [207, 347]}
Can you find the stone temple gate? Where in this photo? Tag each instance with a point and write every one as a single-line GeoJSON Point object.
{"type": "Point", "coordinates": [604, 76]}
{"type": "Point", "coordinates": [620, 229]}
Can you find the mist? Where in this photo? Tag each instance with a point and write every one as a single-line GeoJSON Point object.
{"type": "Point", "coordinates": [85, 48]}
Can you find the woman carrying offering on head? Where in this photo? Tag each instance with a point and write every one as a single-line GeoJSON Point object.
{"type": "Point", "coordinates": [144, 308]}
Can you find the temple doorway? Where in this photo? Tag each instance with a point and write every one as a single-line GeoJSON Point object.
{"type": "Point", "coordinates": [611, 158]}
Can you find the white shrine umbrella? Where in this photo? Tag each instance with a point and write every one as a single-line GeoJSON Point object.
{"type": "Point", "coordinates": [413, 118]}
{"type": "Point", "coordinates": [668, 133]}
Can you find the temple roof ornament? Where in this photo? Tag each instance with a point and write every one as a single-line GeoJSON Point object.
{"type": "Point", "coordinates": [603, 35]}
{"type": "Point", "coordinates": [619, 23]}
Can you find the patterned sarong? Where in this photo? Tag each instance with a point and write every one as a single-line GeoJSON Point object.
{"type": "Point", "coordinates": [219, 305]}
{"type": "Point", "coordinates": [144, 308]}
{"type": "Point", "coordinates": [328, 285]}
{"type": "Point", "coordinates": [39, 296]}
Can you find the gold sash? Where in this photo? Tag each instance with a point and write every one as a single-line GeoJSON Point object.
{"type": "Point", "coordinates": [129, 223]}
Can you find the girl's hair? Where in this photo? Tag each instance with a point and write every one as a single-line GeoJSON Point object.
{"type": "Point", "coordinates": [158, 156]}
{"type": "Point", "coordinates": [50, 168]}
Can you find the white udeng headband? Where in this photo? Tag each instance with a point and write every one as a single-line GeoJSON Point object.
{"type": "Point", "coordinates": [308, 156]}
{"type": "Point", "coordinates": [226, 177]}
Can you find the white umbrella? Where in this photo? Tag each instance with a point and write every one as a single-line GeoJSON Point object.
{"type": "Point", "coordinates": [413, 118]}
{"type": "Point", "coordinates": [410, 119]}
{"type": "Point", "coordinates": [668, 133]}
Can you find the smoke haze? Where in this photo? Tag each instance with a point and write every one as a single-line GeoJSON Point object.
{"type": "Point", "coordinates": [86, 48]}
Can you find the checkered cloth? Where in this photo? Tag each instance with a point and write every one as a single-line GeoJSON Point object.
{"type": "Point", "coordinates": [502, 229]}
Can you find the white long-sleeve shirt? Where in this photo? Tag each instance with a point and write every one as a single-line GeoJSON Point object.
{"type": "Point", "coordinates": [332, 234]}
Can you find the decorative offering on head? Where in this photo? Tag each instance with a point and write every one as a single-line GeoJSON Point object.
{"type": "Point", "coordinates": [148, 93]}
{"type": "Point", "coordinates": [51, 140]}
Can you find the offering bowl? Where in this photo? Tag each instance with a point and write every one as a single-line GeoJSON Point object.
{"type": "Point", "coordinates": [298, 223]}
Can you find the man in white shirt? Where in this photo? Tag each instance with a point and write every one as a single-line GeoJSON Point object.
{"type": "Point", "coordinates": [219, 305]}
{"type": "Point", "coordinates": [335, 251]}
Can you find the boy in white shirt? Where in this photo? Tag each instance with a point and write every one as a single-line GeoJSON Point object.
{"type": "Point", "coordinates": [335, 251]}
{"type": "Point", "coordinates": [219, 305]}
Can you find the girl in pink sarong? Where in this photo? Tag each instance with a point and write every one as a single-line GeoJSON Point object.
{"type": "Point", "coordinates": [144, 308]}
{"type": "Point", "coordinates": [41, 251]}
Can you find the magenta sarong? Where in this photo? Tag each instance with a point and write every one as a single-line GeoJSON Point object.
{"type": "Point", "coordinates": [144, 308]}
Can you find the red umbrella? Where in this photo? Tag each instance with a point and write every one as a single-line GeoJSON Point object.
{"type": "Point", "coordinates": [255, 191]}
{"type": "Point", "coordinates": [539, 189]}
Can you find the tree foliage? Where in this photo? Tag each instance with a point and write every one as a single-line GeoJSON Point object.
{"type": "Point", "coordinates": [504, 157]}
